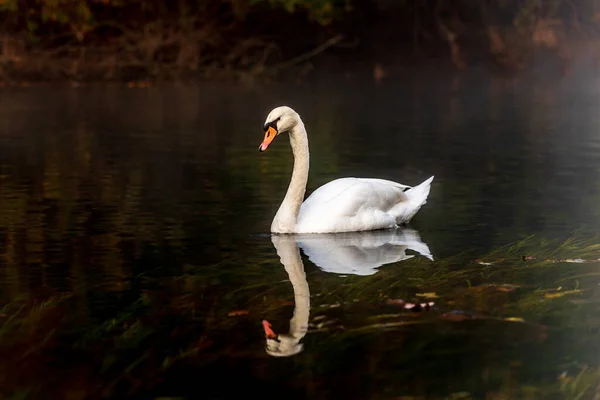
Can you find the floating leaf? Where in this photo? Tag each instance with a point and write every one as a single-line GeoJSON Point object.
{"type": "Point", "coordinates": [430, 295]}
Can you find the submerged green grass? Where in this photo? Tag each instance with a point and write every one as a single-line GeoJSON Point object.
{"type": "Point", "coordinates": [523, 320]}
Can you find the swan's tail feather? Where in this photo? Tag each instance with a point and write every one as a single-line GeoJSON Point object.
{"type": "Point", "coordinates": [417, 197]}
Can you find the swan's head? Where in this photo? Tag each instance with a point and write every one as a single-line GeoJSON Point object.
{"type": "Point", "coordinates": [284, 346]}
{"type": "Point", "coordinates": [280, 119]}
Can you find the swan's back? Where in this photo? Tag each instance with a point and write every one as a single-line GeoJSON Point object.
{"type": "Point", "coordinates": [358, 204]}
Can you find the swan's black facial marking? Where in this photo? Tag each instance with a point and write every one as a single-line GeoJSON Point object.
{"type": "Point", "coordinates": [272, 124]}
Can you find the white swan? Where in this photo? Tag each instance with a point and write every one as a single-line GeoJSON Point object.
{"type": "Point", "coordinates": [342, 205]}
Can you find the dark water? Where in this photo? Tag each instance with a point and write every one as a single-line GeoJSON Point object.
{"type": "Point", "coordinates": [135, 259]}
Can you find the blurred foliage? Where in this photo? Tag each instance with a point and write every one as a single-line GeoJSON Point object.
{"type": "Point", "coordinates": [174, 39]}
{"type": "Point", "coordinates": [322, 11]}
{"type": "Point", "coordinates": [85, 13]}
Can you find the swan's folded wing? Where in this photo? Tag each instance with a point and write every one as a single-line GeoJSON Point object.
{"type": "Point", "coordinates": [385, 182]}
{"type": "Point", "coordinates": [350, 204]}
{"type": "Point", "coordinates": [347, 196]}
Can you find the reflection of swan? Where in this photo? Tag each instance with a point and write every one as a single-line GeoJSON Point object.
{"type": "Point", "coordinates": [285, 345]}
{"type": "Point", "coordinates": [342, 205]}
{"type": "Point", "coordinates": [360, 253]}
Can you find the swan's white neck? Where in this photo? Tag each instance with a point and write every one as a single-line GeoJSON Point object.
{"type": "Point", "coordinates": [287, 216]}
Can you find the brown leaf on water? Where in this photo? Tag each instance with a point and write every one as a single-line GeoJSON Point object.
{"type": "Point", "coordinates": [525, 258]}
{"type": "Point", "coordinates": [237, 313]}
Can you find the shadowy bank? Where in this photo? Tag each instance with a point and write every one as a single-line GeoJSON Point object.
{"type": "Point", "coordinates": [187, 40]}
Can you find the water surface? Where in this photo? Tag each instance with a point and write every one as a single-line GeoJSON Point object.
{"type": "Point", "coordinates": [136, 260]}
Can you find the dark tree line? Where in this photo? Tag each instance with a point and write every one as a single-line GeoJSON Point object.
{"type": "Point", "coordinates": [125, 40]}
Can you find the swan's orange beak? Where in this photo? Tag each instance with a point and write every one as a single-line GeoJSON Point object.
{"type": "Point", "coordinates": [269, 136]}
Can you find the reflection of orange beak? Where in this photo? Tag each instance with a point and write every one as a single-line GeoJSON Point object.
{"type": "Point", "coordinates": [268, 331]}
{"type": "Point", "coordinates": [269, 136]}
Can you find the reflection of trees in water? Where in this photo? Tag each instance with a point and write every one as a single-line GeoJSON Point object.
{"type": "Point", "coordinates": [81, 206]}
{"type": "Point", "coordinates": [77, 215]}
{"type": "Point", "coordinates": [72, 186]}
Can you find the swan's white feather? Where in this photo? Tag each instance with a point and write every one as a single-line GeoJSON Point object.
{"type": "Point", "coordinates": [342, 205]}
{"type": "Point", "coordinates": [360, 204]}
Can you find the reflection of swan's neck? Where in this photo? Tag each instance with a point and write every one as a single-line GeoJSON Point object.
{"type": "Point", "coordinates": [289, 344]}
{"type": "Point", "coordinates": [287, 215]}
{"type": "Point", "coordinates": [299, 322]}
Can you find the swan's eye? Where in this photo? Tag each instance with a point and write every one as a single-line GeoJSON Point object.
{"type": "Point", "coordinates": [272, 124]}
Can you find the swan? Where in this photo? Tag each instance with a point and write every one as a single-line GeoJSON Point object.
{"type": "Point", "coordinates": [342, 205]}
